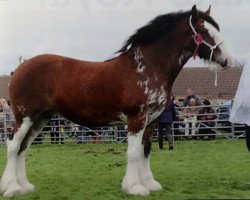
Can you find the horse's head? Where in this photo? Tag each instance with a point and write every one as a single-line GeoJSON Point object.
{"type": "Point", "coordinates": [207, 43]}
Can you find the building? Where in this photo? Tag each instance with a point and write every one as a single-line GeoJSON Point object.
{"type": "Point", "coordinates": [202, 81]}
{"type": "Point", "coordinates": [4, 81]}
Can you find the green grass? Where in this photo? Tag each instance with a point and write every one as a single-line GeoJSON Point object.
{"type": "Point", "coordinates": [194, 170]}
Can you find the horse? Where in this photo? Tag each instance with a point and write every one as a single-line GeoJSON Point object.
{"type": "Point", "coordinates": [134, 87]}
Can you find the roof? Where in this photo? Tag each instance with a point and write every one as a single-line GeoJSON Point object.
{"type": "Point", "coordinates": [202, 80]}
{"type": "Point", "coordinates": [4, 81]}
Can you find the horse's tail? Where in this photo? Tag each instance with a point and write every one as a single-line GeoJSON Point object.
{"type": "Point", "coordinates": [248, 137]}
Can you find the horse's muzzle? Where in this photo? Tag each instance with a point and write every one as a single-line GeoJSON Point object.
{"type": "Point", "coordinates": [225, 64]}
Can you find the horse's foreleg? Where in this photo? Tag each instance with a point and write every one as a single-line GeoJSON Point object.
{"type": "Point", "coordinates": [145, 174]}
{"type": "Point", "coordinates": [9, 183]}
{"type": "Point", "coordinates": [131, 181]}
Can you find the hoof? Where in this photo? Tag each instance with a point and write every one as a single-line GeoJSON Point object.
{"type": "Point", "coordinates": [27, 188]}
{"type": "Point", "coordinates": [139, 190]}
{"type": "Point", "coordinates": [153, 185]}
{"type": "Point", "coordinates": [1, 191]}
{"type": "Point", "coordinates": [3, 186]}
{"type": "Point", "coordinates": [13, 190]}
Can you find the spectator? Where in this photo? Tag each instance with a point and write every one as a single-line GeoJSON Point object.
{"type": "Point", "coordinates": [9, 115]}
{"type": "Point", "coordinates": [190, 117]}
{"type": "Point", "coordinates": [165, 125]}
{"type": "Point", "coordinates": [191, 95]}
{"type": "Point", "coordinates": [122, 131]}
{"type": "Point", "coordinates": [55, 129]}
{"type": "Point", "coordinates": [207, 115]}
{"type": "Point", "coordinates": [62, 124]}
{"type": "Point", "coordinates": [81, 136]}
{"type": "Point", "coordinates": [2, 119]}
{"type": "Point", "coordinates": [177, 118]}
{"type": "Point", "coordinates": [38, 139]}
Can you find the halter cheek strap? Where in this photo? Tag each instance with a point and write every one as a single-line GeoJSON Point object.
{"type": "Point", "coordinates": [199, 40]}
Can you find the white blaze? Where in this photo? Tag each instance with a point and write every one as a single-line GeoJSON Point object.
{"type": "Point", "coordinates": [225, 53]}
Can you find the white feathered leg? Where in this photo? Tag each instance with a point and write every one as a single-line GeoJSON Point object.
{"type": "Point", "coordinates": [146, 176]}
{"type": "Point", "coordinates": [26, 186]}
{"type": "Point", "coordinates": [131, 181]}
{"type": "Point", "coordinates": [9, 183]}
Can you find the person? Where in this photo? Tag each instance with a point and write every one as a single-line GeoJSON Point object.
{"type": "Point", "coordinates": [206, 115]}
{"type": "Point", "coordinates": [177, 122]}
{"type": "Point", "coordinates": [165, 125]}
{"type": "Point", "coordinates": [56, 131]}
{"type": "Point", "coordinates": [240, 112]}
{"type": "Point", "coordinates": [9, 115]}
{"type": "Point", "coordinates": [191, 95]}
{"type": "Point", "coordinates": [122, 131]}
{"type": "Point", "coordinates": [190, 117]}
{"type": "Point", "coordinates": [2, 119]}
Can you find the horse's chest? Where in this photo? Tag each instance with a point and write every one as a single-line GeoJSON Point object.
{"type": "Point", "coordinates": [155, 97]}
{"type": "Point", "coordinates": [155, 103]}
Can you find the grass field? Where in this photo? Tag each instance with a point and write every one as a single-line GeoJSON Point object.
{"type": "Point", "coordinates": [194, 170]}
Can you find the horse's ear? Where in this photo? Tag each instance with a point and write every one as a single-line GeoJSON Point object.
{"type": "Point", "coordinates": [208, 10]}
{"type": "Point", "coordinates": [194, 14]}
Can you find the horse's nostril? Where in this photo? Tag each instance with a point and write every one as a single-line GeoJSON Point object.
{"type": "Point", "coordinates": [225, 64]}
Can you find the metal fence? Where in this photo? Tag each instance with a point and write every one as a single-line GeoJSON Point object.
{"type": "Point", "coordinates": [59, 130]}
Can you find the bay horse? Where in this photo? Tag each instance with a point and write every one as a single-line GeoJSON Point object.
{"type": "Point", "coordinates": [134, 87]}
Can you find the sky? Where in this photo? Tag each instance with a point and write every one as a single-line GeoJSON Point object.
{"type": "Point", "coordinates": [95, 29]}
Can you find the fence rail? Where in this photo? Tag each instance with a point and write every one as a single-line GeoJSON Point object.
{"type": "Point", "coordinates": [60, 130]}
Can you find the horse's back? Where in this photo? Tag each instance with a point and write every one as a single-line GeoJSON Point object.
{"type": "Point", "coordinates": [66, 85]}
{"type": "Point", "coordinates": [45, 70]}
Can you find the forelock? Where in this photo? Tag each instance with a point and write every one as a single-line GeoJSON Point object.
{"type": "Point", "coordinates": [209, 19]}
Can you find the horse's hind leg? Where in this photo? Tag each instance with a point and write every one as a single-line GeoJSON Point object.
{"type": "Point", "coordinates": [9, 183]}
{"type": "Point", "coordinates": [23, 181]}
{"type": "Point", "coordinates": [35, 129]}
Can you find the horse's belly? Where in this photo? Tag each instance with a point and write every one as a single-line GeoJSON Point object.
{"type": "Point", "coordinates": [93, 118]}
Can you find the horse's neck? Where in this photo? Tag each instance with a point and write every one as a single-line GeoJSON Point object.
{"type": "Point", "coordinates": [162, 61]}
{"type": "Point", "coordinates": [169, 54]}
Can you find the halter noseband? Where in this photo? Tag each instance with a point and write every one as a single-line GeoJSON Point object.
{"type": "Point", "coordinates": [199, 40]}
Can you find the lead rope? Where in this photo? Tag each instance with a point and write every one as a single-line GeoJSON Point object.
{"type": "Point", "coordinates": [198, 41]}
{"type": "Point", "coordinates": [216, 77]}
